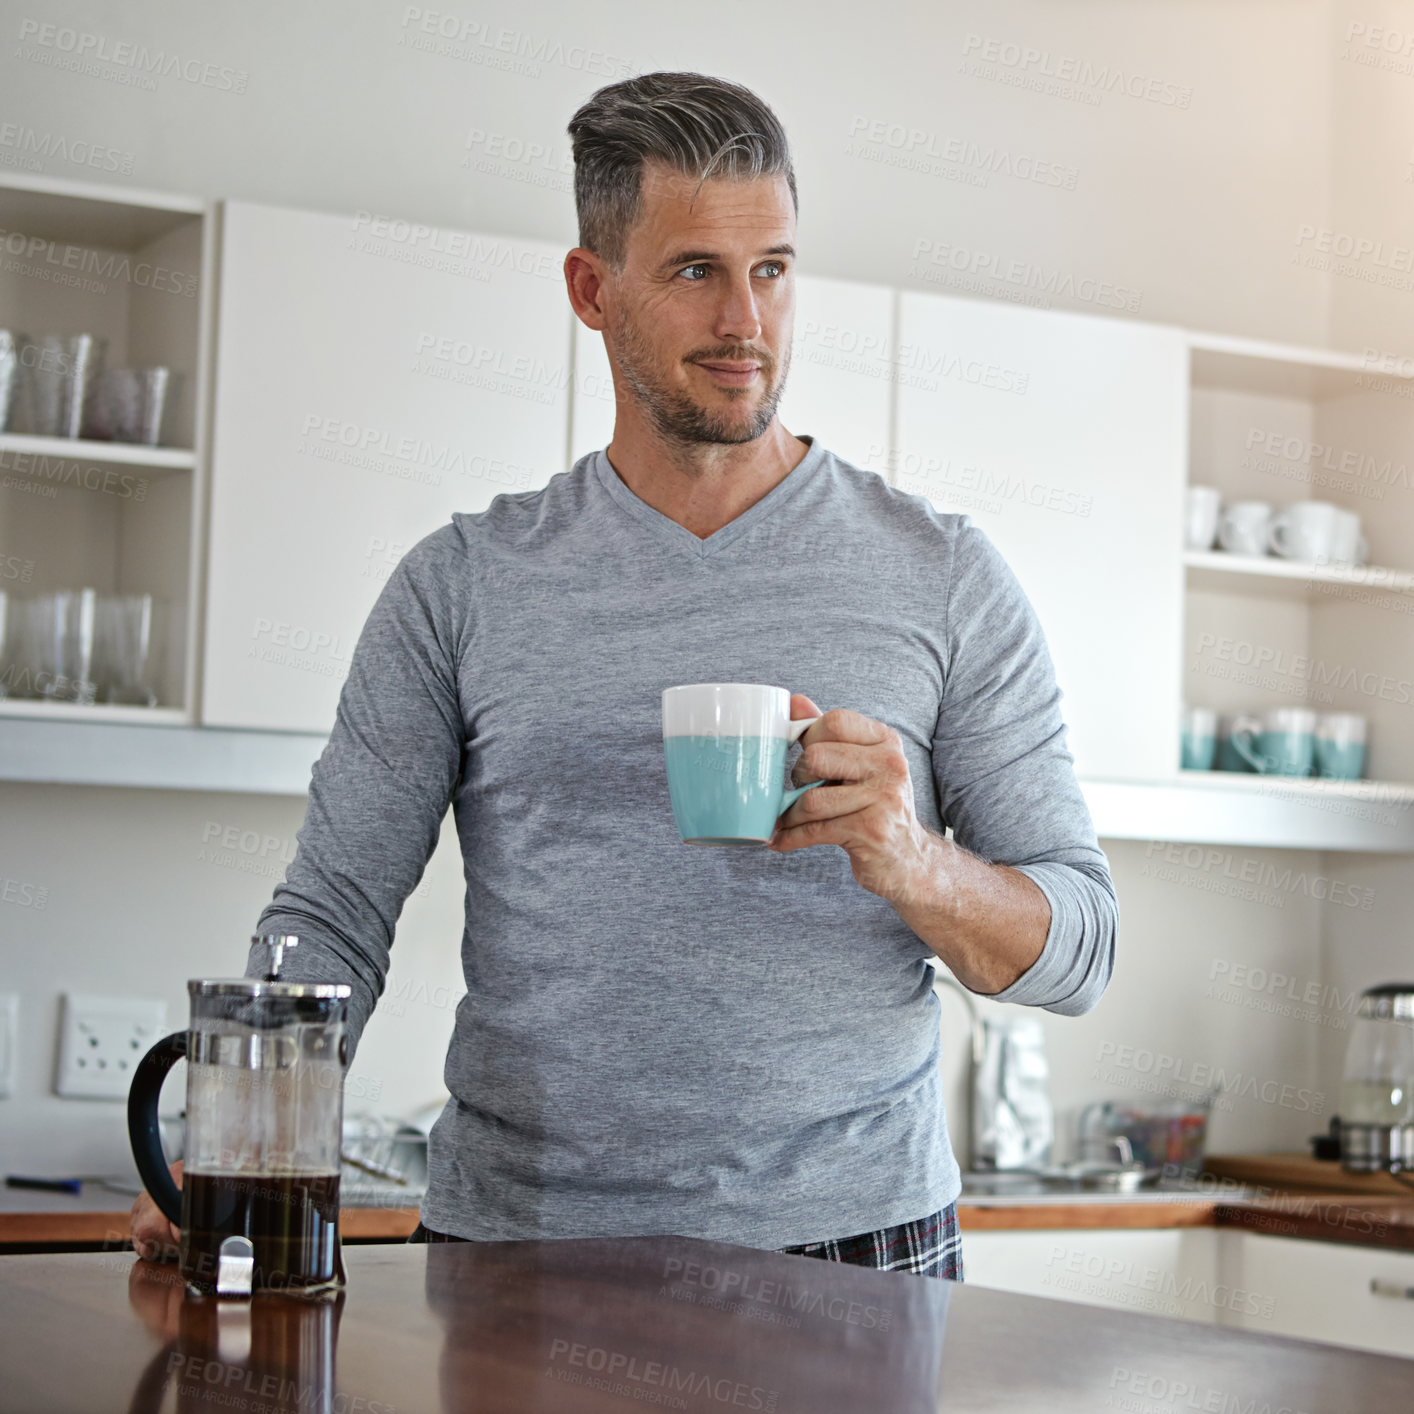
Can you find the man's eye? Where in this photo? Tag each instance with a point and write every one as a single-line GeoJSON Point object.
{"type": "Point", "coordinates": [775, 265]}
{"type": "Point", "coordinates": [686, 268]}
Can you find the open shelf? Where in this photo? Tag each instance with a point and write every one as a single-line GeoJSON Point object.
{"type": "Point", "coordinates": [1271, 812]}
{"type": "Point", "coordinates": [1280, 424]}
{"type": "Point", "coordinates": [93, 748]}
{"type": "Point", "coordinates": [117, 517]}
{"type": "Point", "coordinates": [1397, 794]}
{"type": "Point", "coordinates": [1217, 569]}
{"type": "Point", "coordinates": [1286, 371]}
{"type": "Point", "coordinates": [90, 214]}
{"type": "Point", "coordinates": [14, 444]}
{"type": "Point", "coordinates": [70, 712]}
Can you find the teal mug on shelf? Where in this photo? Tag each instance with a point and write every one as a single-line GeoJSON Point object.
{"type": "Point", "coordinates": [1241, 726]}
{"type": "Point", "coordinates": [1340, 746]}
{"type": "Point", "coordinates": [1284, 744]}
{"type": "Point", "coordinates": [1199, 739]}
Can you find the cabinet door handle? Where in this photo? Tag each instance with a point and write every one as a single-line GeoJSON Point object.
{"type": "Point", "coordinates": [1393, 1289]}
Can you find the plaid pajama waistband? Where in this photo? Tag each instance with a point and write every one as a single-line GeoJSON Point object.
{"type": "Point", "coordinates": [929, 1247]}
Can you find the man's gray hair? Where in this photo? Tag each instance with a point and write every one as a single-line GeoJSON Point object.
{"type": "Point", "coordinates": [694, 124]}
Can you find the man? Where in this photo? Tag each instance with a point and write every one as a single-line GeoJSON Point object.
{"type": "Point", "coordinates": [740, 1045]}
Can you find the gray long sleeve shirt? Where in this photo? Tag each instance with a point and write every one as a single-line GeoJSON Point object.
{"type": "Point", "coordinates": [657, 1038]}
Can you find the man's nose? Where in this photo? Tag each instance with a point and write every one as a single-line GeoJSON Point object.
{"type": "Point", "coordinates": [739, 317]}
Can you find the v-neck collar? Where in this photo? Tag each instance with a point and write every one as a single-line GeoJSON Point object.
{"type": "Point", "coordinates": [680, 535]}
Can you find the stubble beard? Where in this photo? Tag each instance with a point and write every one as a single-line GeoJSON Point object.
{"type": "Point", "coordinates": [677, 416]}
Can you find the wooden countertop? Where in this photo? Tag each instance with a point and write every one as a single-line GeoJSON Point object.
{"type": "Point", "coordinates": [1285, 1194]}
{"type": "Point", "coordinates": [111, 1227]}
{"type": "Point", "coordinates": [50, 1222]}
{"type": "Point", "coordinates": [597, 1325]}
{"type": "Point", "coordinates": [1302, 1171]}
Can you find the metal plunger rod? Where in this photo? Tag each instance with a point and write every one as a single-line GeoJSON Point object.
{"type": "Point", "coordinates": [275, 943]}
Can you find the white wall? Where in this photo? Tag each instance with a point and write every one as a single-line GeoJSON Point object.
{"type": "Point", "coordinates": [1372, 190]}
{"type": "Point", "coordinates": [1183, 204]}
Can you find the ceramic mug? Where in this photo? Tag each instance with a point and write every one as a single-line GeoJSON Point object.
{"type": "Point", "coordinates": [1284, 746]}
{"type": "Point", "coordinates": [1199, 738]}
{"type": "Point", "coordinates": [1243, 527]}
{"type": "Point", "coordinates": [1200, 517]}
{"type": "Point", "coordinates": [1304, 531]}
{"type": "Point", "coordinates": [1340, 746]}
{"type": "Point", "coordinates": [1348, 546]}
{"type": "Point", "coordinates": [725, 747]}
{"type": "Point", "coordinates": [1239, 726]}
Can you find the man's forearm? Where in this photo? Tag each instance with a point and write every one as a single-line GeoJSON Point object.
{"type": "Point", "coordinates": [987, 922]}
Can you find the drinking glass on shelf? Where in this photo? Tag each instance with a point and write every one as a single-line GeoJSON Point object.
{"type": "Point", "coordinates": [125, 649]}
{"type": "Point", "coordinates": [126, 405]}
{"type": "Point", "coordinates": [55, 371]}
{"type": "Point", "coordinates": [59, 645]}
{"type": "Point", "coordinates": [9, 617]}
{"type": "Point", "coordinates": [9, 365]}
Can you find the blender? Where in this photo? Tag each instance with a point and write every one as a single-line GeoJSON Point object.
{"type": "Point", "coordinates": [1377, 1089]}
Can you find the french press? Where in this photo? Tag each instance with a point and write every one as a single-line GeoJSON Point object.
{"type": "Point", "coordinates": [259, 1201]}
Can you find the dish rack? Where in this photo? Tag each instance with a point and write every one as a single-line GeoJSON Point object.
{"type": "Point", "coordinates": [384, 1162]}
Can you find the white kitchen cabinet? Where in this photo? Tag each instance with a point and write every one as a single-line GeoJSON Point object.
{"type": "Point", "coordinates": [837, 387]}
{"type": "Point", "coordinates": [1333, 1292]}
{"type": "Point", "coordinates": [373, 376]}
{"type": "Point", "coordinates": [1064, 436]}
{"type": "Point", "coordinates": [1327, 1291]}
{"type": "Point", "coordinates": [1152, 1271]}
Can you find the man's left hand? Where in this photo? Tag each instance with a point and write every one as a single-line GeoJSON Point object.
{"type": "Point", "coordinates": [865, 807]}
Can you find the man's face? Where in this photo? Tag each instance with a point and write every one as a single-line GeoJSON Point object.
{"type": "Point", "coordinates": [703, 310]}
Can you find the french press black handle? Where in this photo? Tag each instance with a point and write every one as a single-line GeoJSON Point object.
{"type": "Point", "coordinates": [144, 1132]}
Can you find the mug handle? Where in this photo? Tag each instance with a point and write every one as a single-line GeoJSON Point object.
{"type": "Point", "coordinates": [794, 731]}
{"type": "Point", "coordinates": [1241, 744]}
{"type": "Point", "coordinates": [144, 1133]}
{"type": "Point", "coordinates": [1275, 532]}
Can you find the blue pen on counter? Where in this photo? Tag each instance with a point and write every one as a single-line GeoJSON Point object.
{"type": "Point", "coordinates": [55, 1185]}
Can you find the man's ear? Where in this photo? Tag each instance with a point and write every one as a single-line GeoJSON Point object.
{"type": "Point", "coordinates": [585, 279]}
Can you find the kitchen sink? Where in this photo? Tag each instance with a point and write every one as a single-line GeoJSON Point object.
{"type": "Point", "coordinates": [1015, 1185]}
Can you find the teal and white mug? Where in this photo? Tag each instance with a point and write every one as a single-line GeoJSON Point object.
{"type": "Point", "coordinates": [725, 746]}
{"type": "Point", "coordinates": [1285, 745]}
{"type": "Point", "coordinates": [1199, 742]}
{"type": "Point", "coordinates": [1340, 746]}
{"type": "Point", "coordinates": [1238, 727]}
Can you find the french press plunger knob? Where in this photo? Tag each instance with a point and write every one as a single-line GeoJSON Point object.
{"type": "Point", "coordinates": [275, 945]}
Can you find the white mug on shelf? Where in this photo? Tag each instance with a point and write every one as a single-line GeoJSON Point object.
{"type": "Point", "coordinates": [1304, 531]}
{"type": "Point", "coordinates": [1200, 517]}
{"type": "Point", "coordinates": [1243, 527]}
{"type": "Point", "coordinates": [1348, 546]}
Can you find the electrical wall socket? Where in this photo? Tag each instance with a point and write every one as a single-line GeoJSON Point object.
{"type": "Point", "coordinates": [101, 1041]}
